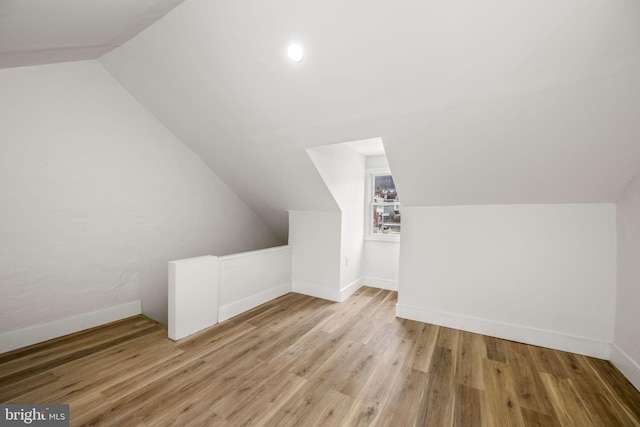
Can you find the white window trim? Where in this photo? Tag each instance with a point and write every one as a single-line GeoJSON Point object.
{"type": "Point", "coordinates": [368, 209]}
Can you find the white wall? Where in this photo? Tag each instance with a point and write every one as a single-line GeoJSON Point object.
{"type": "Point", "coordinates": [193, 295]}
{"type": "Point", "coordinates": [374, 162]}
{"type": "Point", "coordinates": [208, 289]}
{"type": "Point", "coordinates": [381, 258]}
{"type": "Point", "coordinates": [363, 262]}
{"type": "Point", "coordinates": [381, 264]}
{"type": "Point", "coordinates": [249, 279]}
{"type": "Point", "coordinates": [97, 196]}
{"type": "Point", "coordinates": [540, 274]}
{"type": "Point", "coordinates": [315, 261]}
{"type": "Point", "coordinates": [343, 171]}
{"type": "Point", "coordinates": [487, 102]}
{"type": "Point", "coordinates": [626, 351]}
{"type": "Point", "coordinates": [352, 206]}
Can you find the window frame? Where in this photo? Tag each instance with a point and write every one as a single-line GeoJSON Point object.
{"type": "Point", "coordinates": [369, 206]}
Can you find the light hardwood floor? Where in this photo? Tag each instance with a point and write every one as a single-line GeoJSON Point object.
{"type": "Point", "coordinates": [303, 361]}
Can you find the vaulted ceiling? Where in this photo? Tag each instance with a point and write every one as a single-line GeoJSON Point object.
{"type": "Point", "coordinates": [500, 101]}
{"type": "Point", "coordinates": [36, 32]}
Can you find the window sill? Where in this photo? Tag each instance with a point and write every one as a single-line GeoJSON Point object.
{"type": "Point", "coordinates": [383, 238]}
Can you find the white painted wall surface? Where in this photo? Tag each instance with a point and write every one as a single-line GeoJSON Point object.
{"type": "Point", "coordinates": [208, 289]}
{"type": "Point", "coordinates": [343, 171]}
{"type": "Point", "coordinates": [487, 102]}
{"type": "Point", "coordinates": [540, 274]}
{"type": "Point", "coordinates": [381, 259]}
{"type": "Point", "coordinates": [375, 162]}
{"type": "Point", "coordinates": [626, 351]}
{"type": "Point", "coordinates": [352, 205]}
{"type": "Point", "coordinates": [249, 279]}
{"type": "Point", "coordinates": [381, 264]}
{"type": "Point", "coordinates": [97, 196]}
{"type": "Point", "coordinates": [193, 295]}
{"type": "Point", "coordinates": [315, 263]}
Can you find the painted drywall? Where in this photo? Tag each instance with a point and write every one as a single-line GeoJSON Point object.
{"type": "Point", "coordinates": [97, 196]}
{"type": "Point", "coordinates": [315, 261]}
{"type": "Point", "coordinates": [373, 263]}
{"type": "Point", "coordinates": [626, 352]}
{"type": "Point", "coordinates": [381, 264]}
{"type": "Point", "coordinates": [477, 103]}
{"type": "Point", "coordinates": [381, 258]}
{"type": "Point", "coordinates": [375, 162]}
{"type": "Point", "coordinates": [343, 171]}
{"type": "Point", "coordinates": [47, 33]}
{"type": "Point", "coordinates": [193, 295]}
{"type": "Point", "coordinates": [249, 279]}
{"type": "Point", "coordinates": [209, 289]}
{"type": "Point", "coordinates": [540, 274]}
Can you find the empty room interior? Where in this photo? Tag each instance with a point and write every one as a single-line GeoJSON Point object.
{"type": "Point", "coordinates": [220, 212]}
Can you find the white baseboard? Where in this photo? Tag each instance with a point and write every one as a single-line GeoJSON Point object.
{"type": "Point", "coordinates": [629, 367]}
{"type": "Point", "coordinates": [316, 291]}
{"type": "Point", "coordinates": [348, 290]}
{"type": "Point", "coordinates": [233, 309]}
{"type": "Point", "coordinates": [375, 282]}
{"type": "Point", "coordinates": [519, 333]}
{"type": "Point", "coordinates": [35, 334]}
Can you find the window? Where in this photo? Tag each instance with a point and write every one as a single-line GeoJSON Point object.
{"type": "Point", "coordinates": [383, 207]}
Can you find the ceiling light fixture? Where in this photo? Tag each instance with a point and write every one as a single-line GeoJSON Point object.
{"type": "Point", "coordinates": [295, 52]}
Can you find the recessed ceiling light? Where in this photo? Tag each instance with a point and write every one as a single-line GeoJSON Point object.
{"type": "Point", "coordinates": [295, 52]}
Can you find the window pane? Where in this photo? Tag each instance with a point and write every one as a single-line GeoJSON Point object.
{"type": "Point", "coordinates": [385, 206]}
{"type": "Point", "coordinates": [385, 188]}
{"type": "Point", "coordinates": [386, 218]}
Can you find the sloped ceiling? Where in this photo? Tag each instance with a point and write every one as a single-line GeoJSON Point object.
{"type": "Point", "coordinates": [500, 101]}
{"type": "Point", "coordinates": [36, 32]}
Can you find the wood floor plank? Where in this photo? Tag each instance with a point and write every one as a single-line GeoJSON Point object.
{"type": "Point", "coordinates": [615, 383]}
{"type": "Point", "coordinates": [501, 402]}
{"type": "Point", "coordinates": [495, 349]}
{"type": "Point", "coordinates": [304, 361]}
{"type": "Point", "coordinates": [331, 370]}
{"type": "Point", "coordinates": [355, 374]}
{"type": "Point", "coordinates": [603, 406]}
{"type": "Point", "coordinates": [330, 411]}
{"type": "Point", "coordinates": [91, 410]}
{"type": "Point", "coordinates": [130, 383]}
{"type": "Point", "coordinates": [568, 405]}
{"type": "Point", "coordinates": [363, 330]}
{"type": "Point", "coordinates": [410, 329]}
{"type": "Point", "coordinates": [307, 366]}
{"type": "Point", "coordinates": [15, 371]}
{"type": "Point", "coordinates": [72, 342]}
{"type": "Point", "coordinates": [11, 390]}
{"type": "Point", "coordinates": [471, 352]}
{"type": "Point", "coordinates": [528, 386]}
{"type": "Point", "coordinates": [368, 404]}
{"type": "Point", "coordinates": [536, 419]}
{"type": "Point", "coordinates": [215, 337]}
{"type": "Point", "coordinates": [547, 360]}
{"type": "Point", "coordinates": [265, 400]}
{"type": "Point", "coordinates": [423, 346]}
{"type": "Point", "coordinates": [406, 399]}
{"type": "Point", "coordinates": [387, 310]}
{"type": "Point", "coordinates": [469, 403]}
{"type": "Point", "coordinates": [293, 333]}
{"type": "Point", "coordinates": [448, 338]}
{"type": "Point", "coordinates": [161, 389]}
{"type": "Point", "coordinates": [310, 404]}
{"type": "Point", "coordinates": [437, 407]}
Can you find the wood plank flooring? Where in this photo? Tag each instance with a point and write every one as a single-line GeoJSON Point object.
{"type": "Point", "coordinates": [302, 361]}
